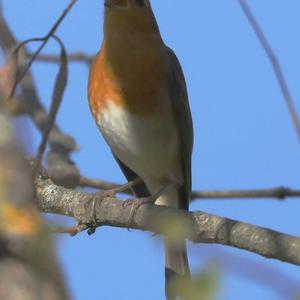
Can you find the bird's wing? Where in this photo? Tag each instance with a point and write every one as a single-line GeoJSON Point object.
{"type": "Point", "coordinates": [183, 120]}
{"type": "Point", "coordinates": [140, 189]}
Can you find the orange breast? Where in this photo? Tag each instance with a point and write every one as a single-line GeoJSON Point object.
{"type": "Point", "coordinates": [102, 87]}
{"type": "Point", "coordinates": [128, 78]}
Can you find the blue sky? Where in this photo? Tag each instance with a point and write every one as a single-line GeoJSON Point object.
{"type": "Point", "coordinates": [244, 138]}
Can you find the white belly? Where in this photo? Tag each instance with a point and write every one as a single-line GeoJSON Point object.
{"type": "Point", "coordinates": [148, 146]}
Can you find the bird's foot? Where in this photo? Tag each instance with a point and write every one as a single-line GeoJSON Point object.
{"type": "Point", "coordinates": [122, 188]}
{"type": "Point", "coordinates": [136, 204]}
{"type": "Point", "coordinates": [96, 200]}
{"type": "Point", "coordinates": [100, 196]}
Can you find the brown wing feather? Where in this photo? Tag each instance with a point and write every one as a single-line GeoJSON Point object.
{"type": "Point", "coordinates": [182, 113]}
{"type": "Point", "coordinates": [140, 189]}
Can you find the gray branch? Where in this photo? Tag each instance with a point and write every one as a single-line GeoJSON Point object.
{"type": "Point", "coordinates": [279, 193]}
{"type": "Point", "coordinates": [199, 227]}
{"type": "Point", "coordinates": [72, 57]}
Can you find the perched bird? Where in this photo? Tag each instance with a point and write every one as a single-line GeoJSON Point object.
{"type": "Point", "coordinates": [138, 97]}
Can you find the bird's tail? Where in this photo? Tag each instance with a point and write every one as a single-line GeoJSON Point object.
{"type": "Point", "coordinates": [176, 268]}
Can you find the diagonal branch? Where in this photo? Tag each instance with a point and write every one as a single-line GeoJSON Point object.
{"type": "Point", "coordinates": [43, 44]}
{"type": "Point", "coordinates": [61, 145]}
{"type": "Point", "coordinates": [59, 88]}
{"type": "Point", "coordinates": [274, 62]}
{"type": "Point", "coordinates": [200, 227]}
{"type": "Point", "coordinates": [32, 106]}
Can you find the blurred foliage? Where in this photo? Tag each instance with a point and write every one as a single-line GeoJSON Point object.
{"type": "Point", "coordinates": [174, 227]}
{"type": "Point", "coordinates": [17, 221]}
{"type": "Point", "coordinates": [28, 264]}
{"type": "Point", "coordinates": [204, 286]}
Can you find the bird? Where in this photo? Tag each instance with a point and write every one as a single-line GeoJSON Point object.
{"type": "Point", "coordinates": [138, 97]}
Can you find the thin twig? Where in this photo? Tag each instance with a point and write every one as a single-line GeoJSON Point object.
{"type": "Point", "coordinates": [70, 230]}
{"type": "Point", "coordinates": [271, 193]}
{"type": "Point", "coordinates": [59, 88]}
{"type": "Point", "coordinates": [99, 184]}
{"type": "Point", "coordinates": [72, 57]}
{"type": "Point", "coordinates": [60, 166]}
{"type": "Point", "coordinates": [43, 44]}
{"type": "Point", "coordinates": [33, 107]}
{"type": "Point", "coordinates": [274, 62]}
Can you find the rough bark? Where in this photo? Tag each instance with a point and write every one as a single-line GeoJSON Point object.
{"type": "Point", "coordinates": [199, 227]}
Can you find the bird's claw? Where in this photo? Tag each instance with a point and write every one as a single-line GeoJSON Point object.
{"type": "Point", "coordinates": [136, 204]}
{"type": "Point", "coordinates": [96, 200]}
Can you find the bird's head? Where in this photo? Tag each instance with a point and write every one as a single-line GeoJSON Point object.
{"type": "Point", "coordinates": [129, 16]}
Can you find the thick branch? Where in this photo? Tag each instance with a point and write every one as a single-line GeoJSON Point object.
{"type": "Point", "coordinates": [200, 226]}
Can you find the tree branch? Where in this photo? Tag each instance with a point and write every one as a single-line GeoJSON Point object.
{"type": "Point", "coordinates": [59, 164]}
{"type": "Point", "coordinates": [72, 57]}
{"type": "Point", "coordinates": [199, 227]}
{"type": "Point", "coordinates": [279, 193]}
{"type": "Point", "coordinates": [274, 62]}
{"type": "Point", "coordinates": [44, 41]}
{"type": "Point", "coordinates": [58, 92]}
{"type": "Point", "coordinates": [32, 106]}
